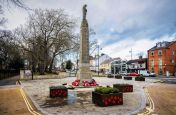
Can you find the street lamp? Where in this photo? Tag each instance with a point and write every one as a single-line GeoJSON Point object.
{"type": "Point", "coordinates": [97, 47]}
{"type": "Point", "coordinates": [98, 58]}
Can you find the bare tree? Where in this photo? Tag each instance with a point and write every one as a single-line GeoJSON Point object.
{"type": "Point", "coordinates": [8, 4]}
{"type": "Point", "coordinates": [47, 34]}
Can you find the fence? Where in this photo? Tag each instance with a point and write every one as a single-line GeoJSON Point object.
{"type": "Point", "coordinates": [8, 73]}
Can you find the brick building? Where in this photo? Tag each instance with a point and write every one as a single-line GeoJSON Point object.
{"type": "Point", "coordinates": [162, 58]}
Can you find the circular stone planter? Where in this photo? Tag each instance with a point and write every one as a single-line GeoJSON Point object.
{"type": "Point", "coordinates": [118, 76]}
{"type": "Point", "coordinates": [127, 78]}
{"type": "Point", "coordinates": [110, 76]}
{"type": "Point", "coordinates": [140, 78]}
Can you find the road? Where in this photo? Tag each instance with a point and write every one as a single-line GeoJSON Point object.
{"type": "Point", "coordinates": [163, 96]}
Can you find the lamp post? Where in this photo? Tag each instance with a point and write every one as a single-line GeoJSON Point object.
{"type": "Point", "coordinates": [97, 47]}
{"type": "Point", "coordinates": [32, 70]}
{"type": "Point", "coordinates": [114, 69]}
{"type": "Point", "coordinates": [98, 59]}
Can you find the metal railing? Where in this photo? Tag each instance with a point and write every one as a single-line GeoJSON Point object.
{"type": "Point", "coordinates": [8, 73]}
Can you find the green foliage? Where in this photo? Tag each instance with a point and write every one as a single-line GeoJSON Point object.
{"type": "Point", "coordinates": [140, 78]}
{"type": "Point", "coordinates": [106, 90]}
{"type": "Point", "coordinates": [58, 87]}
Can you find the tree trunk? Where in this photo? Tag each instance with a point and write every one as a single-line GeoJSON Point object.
{"type": "Point", "coordinates": [51, 64]}
{"type": "Point", "coordinates": [42, 68]}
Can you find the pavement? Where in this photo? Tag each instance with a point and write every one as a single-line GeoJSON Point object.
{"type": "Point", "coordinates": [79, 102]}
{"type": "Point", "coordinates": [13, 100]}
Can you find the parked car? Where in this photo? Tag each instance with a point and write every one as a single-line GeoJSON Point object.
{"type": "Point", "coordinates": [152, 75]}
{"type": "Point", "coordinates": [133, 74]}
{"type": "Point", "coordinates": [107, 73]}
{"type": "Point", "coordinates": [146, 73]}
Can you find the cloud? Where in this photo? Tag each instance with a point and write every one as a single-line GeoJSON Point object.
{"type": "Point", "coordinates": [119, 24]}
{"type": "Point", "coordinates": [122, 48]}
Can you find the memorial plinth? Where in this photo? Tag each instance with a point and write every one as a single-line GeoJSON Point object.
{"type": "Point", "coordinates": [84, 66]}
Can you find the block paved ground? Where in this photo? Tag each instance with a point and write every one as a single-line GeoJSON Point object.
{"type": "Point", "coordinates": [80, 101]}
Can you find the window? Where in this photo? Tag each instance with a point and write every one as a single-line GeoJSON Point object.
{"type": "Point", "coordinates": [140, 65]}
{"type": "Point", "coordinates": [152, 63]}
{"type": "Point", "coordinates": [173, 52]}
{"type": "Point", "coordinates": [159, 52]}
{"type": "Point", "coordinates": [160, 67]}
{"type": "Point", "coordinates": [173, 61]}
{"type": "Point", "coordinates": [152, 53]}
{"type": "Point", "coordinates": [163, 44]}
{"type": "Point", "coordinates": [158, 44]}
{"type": "Point", "coordinates": [160, 62]}
{"type": "Point", "coordinates": [160, 71]}
{"type": "Point", "coordinates": [152, 70]}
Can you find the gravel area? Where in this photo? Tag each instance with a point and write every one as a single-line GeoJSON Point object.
{"type": "Point", "coordinates": [79, 100]}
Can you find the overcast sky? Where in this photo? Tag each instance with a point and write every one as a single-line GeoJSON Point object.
{"type": "Point", "coordinates": [119, 24]}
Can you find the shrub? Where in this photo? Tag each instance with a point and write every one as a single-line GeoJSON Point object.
{"type": "Point", "coordinates": [106, 90]}
{"type": "Point", "coordinates": [110, 76]}
{"type": "Point", "coordinates": [140, 78]}
{"type": "Point", "coordinates": [118, 76]}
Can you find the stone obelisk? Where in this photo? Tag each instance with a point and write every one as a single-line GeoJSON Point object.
{"type": "Point", "coordinates": [84, 67]}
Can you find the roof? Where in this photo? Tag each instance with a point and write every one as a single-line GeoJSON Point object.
{"type": "Point", "coordinates": [167, 44]}
{"type": "Point", "coordinates": [106, 61]}
{"type": "Point", "coordinates": [91, 58]}
{"type": "Point", "coordinates": [137, 60]}
{"type": "Point", "coordinates": [110, 60]}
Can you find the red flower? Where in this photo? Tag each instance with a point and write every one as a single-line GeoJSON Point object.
{"type": "Point", "coordinates": [115, 98]}
{"type": "Point", "coordinates": [120, 99]}
{"type": "Point", "coordinates": [105, 103]}
{"type": "Point", "coordinates": [109, 100]}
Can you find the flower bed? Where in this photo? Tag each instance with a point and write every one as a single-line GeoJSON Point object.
{"type": "Point", "coordinates": [127, 78]}
{"type": "Point", "coordinates": [140, 78]}
{"type": "Point", "coordinates": [118, 76]}
{"type": "Point", "coordinates": [124, 87]}
{"type": "Point", "coordinates": [107, 96]}
{"type": "Point", "coordinates": [58, 91]}
{"type": "Point", "coordinates": [110, 76]}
